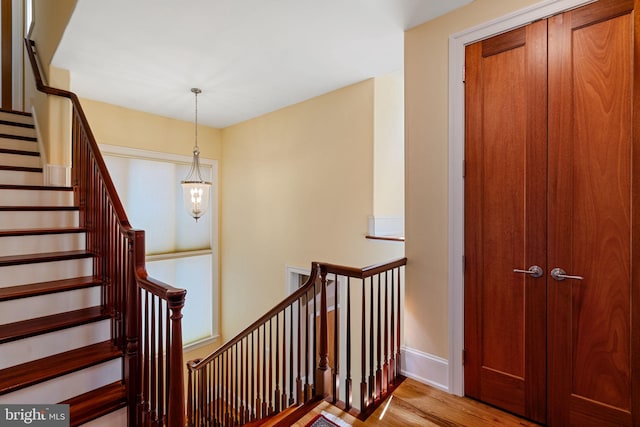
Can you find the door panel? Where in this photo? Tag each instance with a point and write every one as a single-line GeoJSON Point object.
{"type": "Point", "coordinates": [551, 173]}
{"type": "Point", "coordinates": [590, 209]}
{"type": "Point", "coordinates": [505, 220]}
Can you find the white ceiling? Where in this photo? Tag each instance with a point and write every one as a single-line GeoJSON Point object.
{"type": "Point", "coordinates": [249, 57]}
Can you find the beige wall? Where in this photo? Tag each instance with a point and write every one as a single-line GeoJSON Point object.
{"type": "Point", "coordinates": [123, 127]}
{"type": "Point", "coordinates": [50, 18]}
{"type": "Point", "coordinates": [388, 176]}
{"type": "Point", "coordinates": [298, 187]}
{"type": "Point", "coordinates": [426, 171]}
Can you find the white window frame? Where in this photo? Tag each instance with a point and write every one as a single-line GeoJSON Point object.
{"type": "Point", "coordinates": [212, 215]}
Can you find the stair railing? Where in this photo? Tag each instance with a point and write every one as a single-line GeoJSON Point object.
{"type": "Point", "coordinates": [287, 358]}
{"type": "Point", "coordinates": [146, 313]}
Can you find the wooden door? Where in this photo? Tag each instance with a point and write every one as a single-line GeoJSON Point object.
{"type": "Point", "coordinates": [593, 170]}
{"type": "Point", "coordinates": [505, 220]}
{"type": "Point", "coordinates": [551, 167]}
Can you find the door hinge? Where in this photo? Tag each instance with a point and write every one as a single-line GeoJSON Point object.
{"type": "Point", "coordinates": [464, 356]}
{"type": "Point", "coordinates": [464, 263]}
{"type": "Point", "coordinates": [464, 168]}
{"type": "Point", "coordinates": [464, 74]}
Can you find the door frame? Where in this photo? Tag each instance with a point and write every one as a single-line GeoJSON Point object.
{"type": "Point", "coordinates": [457, 44]}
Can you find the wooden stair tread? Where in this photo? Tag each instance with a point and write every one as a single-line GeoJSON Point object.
{"type": "Point", "coordinates": [20, 152]}
{"type": "Point", "coordinates": [17, 112]}
{"type": "Point", "coordinates": [39, 208]}
{"type": "Point", "coordinates": [41, 231]}
{"type": "Point", "coordinates": [43, 288]}
{"type": "Point", "coordinates": [20, 168]}
{"type": "Point", "coordinates": [55, 322]}
{"type": "Point", "coordinates": [43, 257]}
{"type": "Point", "coordinates": [20, 137]}
{"type": "Point", "coordinates": [37, 371]}
{"type": "Point", "coordinates": [17, 124]}
{"type": "Point", "coordinates": [33, 187]}
{"type": "Point", "coordinates": [96, 403]}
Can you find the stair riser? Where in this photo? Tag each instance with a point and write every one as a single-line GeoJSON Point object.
{"type": "Point", "coordinates": [36, 347]}
{"type": "Point", "coordinates": [18, 118]}
{"type": "Point", "coordinates": [17, 130]}
{"type": "Point", "coordinates": [18, 144]}
{"type": "Point", "coordinates": [21, 178]}
{"type": "Point", "coordinates": [18, 197]}
{"type": "Point", "coordinates": [19, 220]}
{"type": "Point", "coordinates": [45, 271]}
{"type": "Point", "coordinates": [67, 386]}
{"type": "Point", "coordinates": [46, 305]}
{"type": "Point", "coordinates": [19, 160]}
{"type": "Point", "coordinates": [22, 245]}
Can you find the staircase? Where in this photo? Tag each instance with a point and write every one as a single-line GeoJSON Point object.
{"type": "Point", "coordinates": [55, 333]}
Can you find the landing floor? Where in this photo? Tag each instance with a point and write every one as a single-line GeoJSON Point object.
{"type": "Point", "coordinates": [416, 404]}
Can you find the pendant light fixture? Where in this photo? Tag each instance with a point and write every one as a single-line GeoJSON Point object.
{"type": "Point", "coordinates": [195, 190]}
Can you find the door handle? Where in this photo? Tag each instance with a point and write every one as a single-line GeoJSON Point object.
{"type": "Point", "coordinates": [535, 271]}
{"type": "Point", "coordinates": [559, 274]}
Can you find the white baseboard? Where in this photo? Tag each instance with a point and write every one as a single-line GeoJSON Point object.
{"type": "Point", "coordinates": [425, 368]}
{"type": "Point", "coordinates": [57, 175]}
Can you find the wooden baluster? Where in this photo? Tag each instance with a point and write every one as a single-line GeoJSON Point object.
{"type": "Point", "coordinates": [364, 400]}
{"type": "Point", "coordinates": [258, 407]}
{"type": "Point", "coordinates": [270, 388]}
{"type": "Point", "coordinates": [398, 327]}
{"type": "Point", "coordinates": [348, 398]}
{"type": "Point", "coordinates": [372, 378]}
{"type": "Point", "coordinates": [336, 341]}
{"type": "Point", "coordinates": [161, 315]}
{"type": "Point", "coordinates": [227, 398]}
{"type": "Point", "coordinates": [291, 357]}
{"type": "Point", "coordinates": [252, 415]}
{"type": "Point", "coordinates": [283, 396]}
{"type": "Point", "coordinates": [146, 356]}
{"type": "Point", "coordinates": [218, 393]}
{"type": "Point", "coordinates": [190, 397]}
{"type": "Point", "coordinates": [385, 366]}
{"type": "Point", "coordinates": [299, 396]}
{"type": "Point", "coordinates": [244, 380]}
{"type": "Point", "coordinates": [307, 330]}
{"type": "Point", "coordinates": [392, 341]}
{"type": "Point", "coordinates": [265, 393]}
{"type": "Point", "coordinates": [314, 353]}
{"type": "Point", "coordinates": [276, 392]}
{"type": "Point", "coordinates": [234, 387]}
{"type": "Point", "coordinates": [153, 356]}
{"type": "Point", "coordinates": [378, 391]}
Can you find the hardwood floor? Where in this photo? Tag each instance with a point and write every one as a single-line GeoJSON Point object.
{"type": "Point", "coordinates": [416, 404]}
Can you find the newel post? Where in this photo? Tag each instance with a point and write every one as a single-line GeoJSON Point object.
{"type": "Point", "coordinates": [176, 369]}
{"type": "Point", "coordinates": [132, 328]}
{"type": "Point", "coordinates": [323, 387]}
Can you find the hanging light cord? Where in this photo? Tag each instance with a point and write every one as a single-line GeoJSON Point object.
{"type": "Point", "coordinates": [196, 91]}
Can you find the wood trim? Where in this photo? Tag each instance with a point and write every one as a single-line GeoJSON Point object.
{"type": "Point", "coordinates": [6, 29]}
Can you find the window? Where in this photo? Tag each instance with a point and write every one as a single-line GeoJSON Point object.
{"type": "Point", "coordinates": [180, 251]}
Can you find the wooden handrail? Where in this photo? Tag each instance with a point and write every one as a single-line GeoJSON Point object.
{"type": "Point", "coordinates": [140, 306]}
{"type": "Point", "coordinates": [267, 367]}
{"type": "Point", "coordinates": [363, 273]}
{"type": "Point", "coordinates": [295, 296]}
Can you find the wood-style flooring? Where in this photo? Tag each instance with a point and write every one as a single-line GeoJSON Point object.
{"type": "Point", "coordinates": [416, 404]}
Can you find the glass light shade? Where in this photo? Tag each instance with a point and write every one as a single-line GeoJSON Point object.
{"type": "Point", "coordinates": [196, 197]}
{"type": "Point", "coordinates": [195, 190]}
